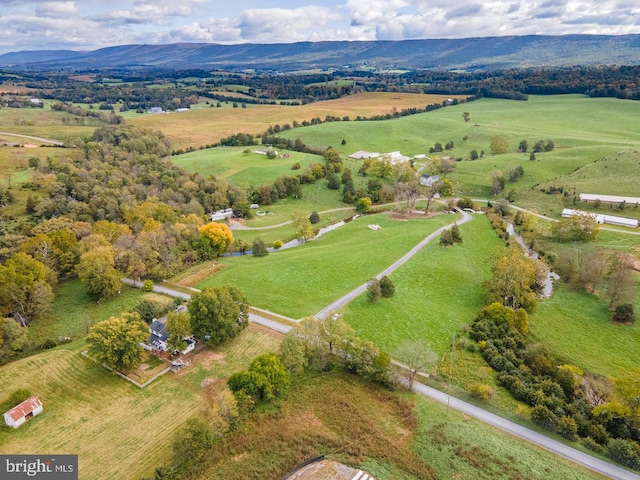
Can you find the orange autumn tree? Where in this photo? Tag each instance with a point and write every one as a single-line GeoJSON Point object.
{"type": "Point", "coordinates": [215, 239]}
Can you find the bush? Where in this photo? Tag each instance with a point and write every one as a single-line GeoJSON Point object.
{"type": "Point", "coordinates": [277, 244]}
{"type": "Point", "coordinates": [624, 313]}
{"type": "Point", "coordinates": [543, 417]}
{"type": "Point", "coordinates": [15, 398]}
{"type": "Point", "coordinates": [259, 249]}
{"type": "Point", "coordinates": [295, 166]}
{"type": "Point", "coordinates": [314, 217]}
{"type": "Point", "coordinates": [192, 444]}
{"type": "Point", "coordinates": [147, 286]}
{"type": "Point", "coordinates": [149, 310]}
{"type": "Point", "coordinates": [625, 452]}
{"type": "Point", "coordinates": [592, 445]}
{"type": "Point", "coordinates": [482, 391]}
{"type": "Point", "coordinates": [568, 428]}
{"type": "Point", "coordinates": [387, 289]}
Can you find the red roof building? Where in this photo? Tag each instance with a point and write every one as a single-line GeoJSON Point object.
{"type": "Point", "coordinates": [21, 413]}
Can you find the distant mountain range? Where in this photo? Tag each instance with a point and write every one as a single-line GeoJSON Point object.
{"type": "Point", "coordinates": [465, 53]}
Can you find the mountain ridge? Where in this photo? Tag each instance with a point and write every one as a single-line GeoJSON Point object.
{"type": "Point", "coordinates": [465, 53]}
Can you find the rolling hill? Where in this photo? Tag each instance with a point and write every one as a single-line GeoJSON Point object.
{"type": "Point", "coordinates": [466, 53]}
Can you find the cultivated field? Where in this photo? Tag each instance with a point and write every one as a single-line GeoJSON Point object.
{"type": "Point", "coordinates": [203, 127]}
{"type": "Point", "coordinates": [301, 281]}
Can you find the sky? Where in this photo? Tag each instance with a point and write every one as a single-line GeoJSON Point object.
{"type": "Point", "coordinates": [92, 24]}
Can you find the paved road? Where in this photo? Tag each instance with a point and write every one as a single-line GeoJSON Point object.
{"type": "Point", "coordinates": [576, 456]}
{"type": "Point", "coordinates": [393, 267]}
{"type": "Point", "coordinates": [253, 317]}
{"type": "Point", "coordinates": [37, 139]}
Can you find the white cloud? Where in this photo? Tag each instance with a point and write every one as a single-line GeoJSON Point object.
{"type": "Point", "coordinates": [56, 9]}
{"type": "Point", "coordinates": [35, 24]}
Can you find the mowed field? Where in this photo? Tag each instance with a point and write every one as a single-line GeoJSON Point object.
{"type": "Point", "coordinates": [45, 123]}
{"type": "Point", "coordinates": [207, 126]}
{"type": "Point", "coordinates": [438, 291]}
{"type": "Point", "coordinates": [243, 169]}
{"type": "Point", "coordinates": [301, 281]}
{"type": "Point", "coordinates": [117, 430]}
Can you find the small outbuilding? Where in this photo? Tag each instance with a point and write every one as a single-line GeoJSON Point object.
{"type": "Point", "coordinates": [23, 412]}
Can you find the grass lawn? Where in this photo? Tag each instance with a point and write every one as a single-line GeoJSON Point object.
{"type": "Point", "coordinates": [244, 170]}
{"type": "Point", "coordinates": [117, 430]}
{"type": "Point", "coordinates": [74, 311]}
{"type": "Point", "coordinates": [437, 291]}
{"type": "Point", "coordinates": [577, 328]}
{"type": "Point", "coordinates": [303, 280]}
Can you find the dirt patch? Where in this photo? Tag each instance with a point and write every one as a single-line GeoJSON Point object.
{"type": "Point", "coordinates": [207, 357]}
{"type": "Point", "coordinates": [406, 216]}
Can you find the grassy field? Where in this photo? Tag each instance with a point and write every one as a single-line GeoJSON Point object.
{"type": "Point", "coordinates": [577, 328]}
{"type": "Point", "coordinates": [303, 280]}
{"type": "Point", "coordinates": [386, 433]}
{"type": "Point", "coordinates": [437, 291]}
{"type": "Point", "coordinates": [74, 312]}
{"type": "Point", "coordinates": [117, 430]}
{"type": "Point", "coordinates": [583, 130]}
{"type": "Point", "coordinates": [207, 126]}
{"type": "Point", "coordinates": [44, 123]}
{"type": "Point", "coordinates": [245, 170]}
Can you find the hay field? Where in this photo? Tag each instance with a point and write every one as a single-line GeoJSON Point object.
{"type": "Point", "coordinates": [118, 430]}
{"type": "Point", "coordinates": [203, 127]}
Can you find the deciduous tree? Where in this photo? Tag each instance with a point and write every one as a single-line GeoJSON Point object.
{"type": "Point", "coordinates": [499, 144]}
{"type": "Point", "coordinates": [116, 342]}
{"type": "Point", "coordinates": [97, 273]}
{"type": "Point", "coordinates": [23, 286]}
{"type": "Point", "coordinates": [416, 356]}
{"type": "Point", "coordinates": [218, 314]}
{"type": "Point", "coordinates": [13, 337]}
{"type": "Point", "coordinates": [216, 238]}
{"type": "Point", "coordinates": [178, 327]}
{"type": "Point", "coordinates": [304, 229]}
{"type": "Point", "coordinates": [513, 281]}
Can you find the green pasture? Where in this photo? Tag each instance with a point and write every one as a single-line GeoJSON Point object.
{"type": "Point", "coordinates": [301, 281]}
{"type": "Point", "coordinates": [244, 170]}
{"type": "Point", "coordinates": [577, 327]}
{"type": "Point", "coordinates": [437, 291]}
{"type": "Point", "coordinates": [583, 130]}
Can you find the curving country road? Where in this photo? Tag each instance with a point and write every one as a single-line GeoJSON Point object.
{"type": "Point", "coordinates": [393, 267]}
{"type": "Point", "coordinates": [37, 139]}
{"type": "Point", "coordinates": [585, 460]}
{"type": "Point", "coordinates": [576, 456]}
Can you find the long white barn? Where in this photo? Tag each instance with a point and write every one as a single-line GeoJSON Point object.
{"type": "Point", "coordinates": [593, 197]}
{"type": "Point", "coordinates": [609, 219]}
